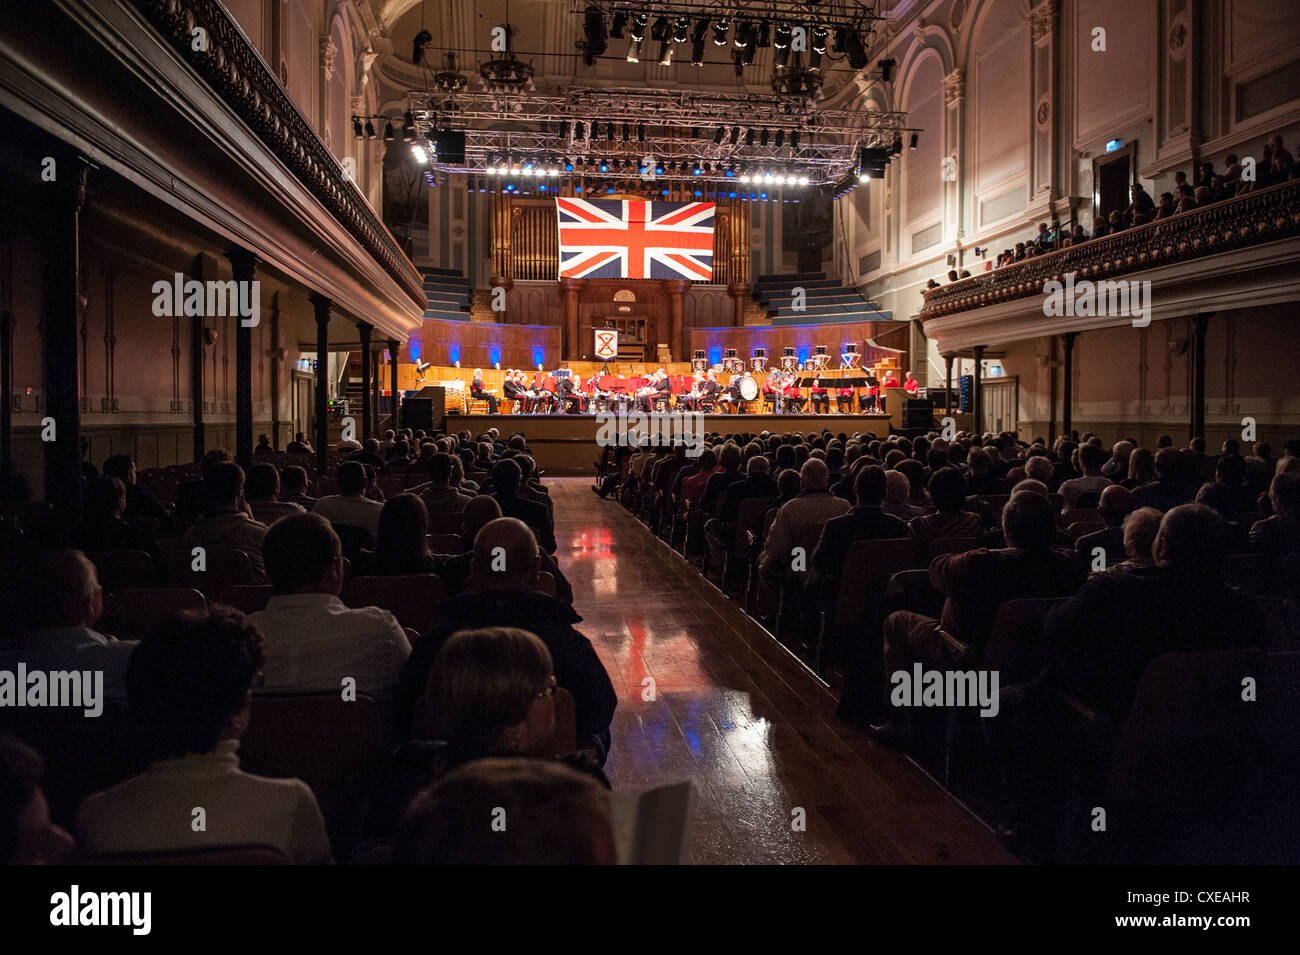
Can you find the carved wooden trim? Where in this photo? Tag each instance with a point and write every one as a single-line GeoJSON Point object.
{"type": "Point", "coordinates": [235, 70]}
{"type": "Point", "coordinates": [1253, 219]}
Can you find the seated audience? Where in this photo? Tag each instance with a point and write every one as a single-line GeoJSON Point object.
{"type": "Point", "coordinates": [293, 487]}
{"type": "Point", "coordinates": [1091, 459]}
{"type": "Point", "coordinates": [190, 689]}
{"type": "Point", "coordinates": [501, 592]}
{"type": "Point", "coordinates": [262, 492]}
{"type": "Point", "coordinates": [558, 817]}
{"type": "Point", "coordinates": [311, 640]}
{"type": "Point", "coordinates": [64, 602]}
{"type": "Point", "coordinates": [507, 478]}
{"type": "Point", "coordinates": [1112, 508]}
{"type": "Point", "coordinates": [350, 505]}
{"type": "Point", "coordinates": [226, 524]}
{"type": "Point", "coordinates": [140, 505]}
{"type": "Point", "coordinates": [1280, 534]}
{"type": "Point", "coordinates": [866, 521]}
{"type": "Point", "coordinates": [1168, 490]}
{"type": "Point", "coordinates": [1139, 528]}
{"type": "Point", "coordinates": [103, 527]}
{"type": "Point", "coordinates": [444, 502]}
{"type": "Point", "coordinates": [948, 490]}
{"type": "Point", "coordinates": [402, 546]}
{"type": "Point", "coordinates": [898, 491]}
{"type": "Point", "coordinates": [27, 835]}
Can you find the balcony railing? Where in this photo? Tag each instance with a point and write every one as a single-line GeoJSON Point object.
{"type": "Point", "coordinates": [1261, 216]}
{"type": "Point", "coordinates": [233, 68]}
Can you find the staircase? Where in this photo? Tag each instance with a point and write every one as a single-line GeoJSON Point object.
{"type": "Point", "coordinates": [448, 293]}
{"type": "Point", "coordinates": [480, 306]}
{"type": "Point", "coordinates": [825, 300]}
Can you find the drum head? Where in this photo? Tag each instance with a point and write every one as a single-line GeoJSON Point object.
{"type": "Point", "coordinates": [748, 388]}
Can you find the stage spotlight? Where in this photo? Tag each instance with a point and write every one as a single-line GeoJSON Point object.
{"type": "Point", "coordinates": [915, 140]}
{"type": "Point", "coordinates": [762, 140]}
{"type": "Point", "coordinates": [735, 135]}
{"type": "Point", "coordinates": [408, 127]}
{"type": "Point", "coordinates": [886, 70]}
{"type": "Point", "coordinates": [781, 58]}
{"type": "Point", "coordinates": [634, 51]}
{"type": "Point", "coordinates": [857, 52]}
{"type": "Point", "coordinates": [697, 53]}
{"type": "Point", "coordinates": [357, 131]}
{"type": "Point", "coordinates": [604, 167]}
{"type": "Point", "coordinates": [841, 35]}
{"type": "Point", "coordinates": [627, 133]}
{"type": "Point", "coordinates": [819, 37]}
{"type": "Point", "coordinates": [763, 35]}
{"type": "Point", "coordinates": [720, 28]}
{"type": "Point", "coordinates": [749, 137]}
{"type": "Point", "coordinates": [717, 136]}
{"type": "Point", "coordinates": [370, 130]}
{"type": "Point", "coordinates": [594, 27]}
{"type": "Point", "coordinates": [782, 39]}
{"type": "Point", "coordinates": [609, 132]}
{"type": "Point", "coordinates": [780, 138]}
{"type": "Point", "coordinates": [681, 30]}
{"type": "Point", "coordinates": [617, 27]}
{"type": "Point", "coordinates": [660, 29]}
{"type": "Point", "coordinates": [640, 132]}
{"type": "Point", "coordinates": [794, 139]}
{"type": "Point", "coordinates": [420, 155]}
{"type": "Point", "coordinates": [698, 170]}
{"type": "Point", "coordinates": [665, 52]}
{"type": "Point", "coordinates": [389, 135]}
{"type": "Point", "coordinates": [637, 30]}
{"type": "Point", "coordinates": [896, 148]}
{"type": "Point", "coordinates": [744, 34]}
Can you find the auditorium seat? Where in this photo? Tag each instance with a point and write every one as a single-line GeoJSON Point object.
{"type": "Point", "coordinates": [335, 746]}
{"type": "Point", "coordinates": [212, 855]}
{"type": "Point", "coordinates": [246, 598]}
{"type": "Point", "coordinates": [564, 742]}
{"type": "Point", "coordinates": [224, 568]}
{"type": "Point", "coordinates": [747, 518]}
{"type": "Point", "coordinates": [860, 605]}
{"type": "Point", "coordinates": [132, 614]}
{"type": "Point", "coordinates": [414, 599]}
{"type": "Point", "coordinates": [1187, 775]}
{"type": "Point", "coordinates": [949, 545]}
{"type": "Point", "coordinates": [354, 540]}
{"type": "Point", "coordinates": [1072, 515]}
{"type": "Point", "coordinates": [1080, 528]}
{"type": "Point", "coordinates": [1017, 648]}
{"type": "Point", "coordinates": [913, 590]}
{"type": "Point", "coordinates": [446, 543]}
{"type": "Point", "coordinates": [120, 570]}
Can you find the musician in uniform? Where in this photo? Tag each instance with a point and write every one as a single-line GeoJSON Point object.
{"type": "Point", "coordinates": [821, 402]}
{"type": "Point", "coordinates": [890, 381]}
{"type": "Point", "coordinates": [794, 399]}
{"type": "Point", "coordinates": [868, 400]}
{"type": "Point", "coordinates": [844, 399]}
{"type": "Point", "coordinates": [510, 390]}
{"type": "Point", "coordinates": [772, 390]}
{"type": "Point", "coordinates": [477, 391]}
{"type": "Point", "coordinates": [709, 392]}
{"type": "Point", "coordinates": [664, 389]}
{"type": "Point", "coordinates": [690, 400]}
{"type": "Point", "coordinates": [566, 392]}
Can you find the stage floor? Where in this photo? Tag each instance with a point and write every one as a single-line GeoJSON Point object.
{"type": "Point", "coordinates": [567, 444]}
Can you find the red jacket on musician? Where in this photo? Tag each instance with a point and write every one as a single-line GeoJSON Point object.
{"type": "Point", "coordinates": [911, 386]}
{"type": "Point", "coordinates": [890, 382]}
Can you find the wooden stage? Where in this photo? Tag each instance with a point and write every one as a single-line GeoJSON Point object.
{"type": "Point", "coordinates": [566, 444]}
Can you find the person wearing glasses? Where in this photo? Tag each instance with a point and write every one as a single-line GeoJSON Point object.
{"type": "Point", "coordinates": [490, 693]}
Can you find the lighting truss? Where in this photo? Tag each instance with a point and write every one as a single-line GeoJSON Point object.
{"type": "Point", "coordinates": [833, 14]}
{"type": "Point", "coordinates": [681, 129]}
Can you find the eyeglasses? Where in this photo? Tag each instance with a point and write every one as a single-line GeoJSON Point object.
{"type": "Point", "coordinates": [549, 690]}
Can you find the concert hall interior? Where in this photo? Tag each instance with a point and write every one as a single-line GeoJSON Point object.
{"type": "Point", "coordinates": [716, 431]}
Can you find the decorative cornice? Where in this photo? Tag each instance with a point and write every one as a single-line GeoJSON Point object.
{"type": "Point", "coordinates": [1255, 218]}
{"type": "Point", "coordinates": [1042, 18]}
{"type": "Point", "coordinates": [954, 86]}
{"type": "Point", "coordinates": [238, 74]}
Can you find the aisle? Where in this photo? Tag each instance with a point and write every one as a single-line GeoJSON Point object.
{"type": "Point", "coordinates": [736, 713]}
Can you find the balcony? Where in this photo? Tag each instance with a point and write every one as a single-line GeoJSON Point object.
{"type": "Point", "coordinates": [1257, 218]}
{"type": "Point", "coordinates": [236, 72]}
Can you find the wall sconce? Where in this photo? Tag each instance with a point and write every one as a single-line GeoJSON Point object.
{"type": "Point", "coordinates": [1178, 347]}
{"type": "Point", "coordinates": [209, 336]}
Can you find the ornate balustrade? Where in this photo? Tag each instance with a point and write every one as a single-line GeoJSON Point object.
{"type": "Point", "coordinates": [231, 65]}
{"type": "Point", "coordinates": [1257, 217]}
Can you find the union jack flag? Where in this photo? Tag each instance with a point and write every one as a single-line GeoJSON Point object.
{"type": "Point", "coordinates": [635, 239]}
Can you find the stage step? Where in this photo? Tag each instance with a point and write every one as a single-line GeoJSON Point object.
{"type": "Point", "coordinates": [813, 313]}
{"type": "Point", "coordinates": [447, 315]}
{"type": "Point", "coordinates": [836, 319]}
{"type": "Point", "coordinates": [850, 299]}
{"type": "Point", "coordinates": [779, 277]}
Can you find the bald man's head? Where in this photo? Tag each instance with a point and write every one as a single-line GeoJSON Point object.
{"type": "Point", "coordinates": [1116, 501]}
{"type": "Point", "coordinates": [814, 475]}
{"type": "Point", "coordinates": [506, 556]}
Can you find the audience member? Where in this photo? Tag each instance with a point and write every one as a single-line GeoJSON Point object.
{"type": "Point", "coordinates": [27, 834]}
{"type": "Point", "coordinates": [226, 524]}
{"type": "Point", "coordinates": [350, 505]}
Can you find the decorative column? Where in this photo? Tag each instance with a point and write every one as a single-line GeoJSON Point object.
{"type": "Point", "coordinates": [976, 403]}
{"type": "Point", "coordinates": [1067, 388]}
{"type": "Point", "coordinates": [947, 382]}
{"type": "Point", "coordinates": [322, 305]}
{"type": "Point", "coordinates": [363, 330]}
{"type": "Point", "coordinates": [397, 392]}
{"type": "Point", "coordinates": [676, 288]}
{"type": "Point", "coordinates": [570, 288]}
{"type": "Point", "coordinates": [243, 263]}
{"type": "Point", "coordinates": [954, 105]}
{"type": "Point", "coordinates": [739, 293]}
{"type": "Point", "coordinates": [1200, 326]}
{"type": "Point", "coordinates": [276, 367]}
{"type": "Point", "coordinates": [61, 206]}
{"type": "Point", "coordinates": [373, 359]}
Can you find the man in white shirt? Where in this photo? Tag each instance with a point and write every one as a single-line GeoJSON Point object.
{"type": "Point", "coordinates": [814, 506]}
{"type": "Point", "coordinates": [312, 641]}
{"type": "Point", "coordinates": [350, 505]}
{"type": "Point", "coordinates": [189, 687]}
{"type": "Point", "coordinates": [65, 603]}
{"type": "Point", "coordinates": [226, 525]}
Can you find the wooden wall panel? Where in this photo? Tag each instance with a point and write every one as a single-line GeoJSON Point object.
{"type": "Point", "coordinates": [475, 344]}
{"type": "Point", "coordinates": [777, 338]}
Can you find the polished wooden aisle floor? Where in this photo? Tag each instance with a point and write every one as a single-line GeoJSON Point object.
{"type": "Point", "coordinates": [736, 713]}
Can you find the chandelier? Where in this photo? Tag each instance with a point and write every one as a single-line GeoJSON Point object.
{"type": "Point", "coordinates": [449, 79]}
{"type": "Point", "coordinates": [506, 73]}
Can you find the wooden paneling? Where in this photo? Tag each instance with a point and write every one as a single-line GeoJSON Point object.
{"type": "Point", "coordinates": [474, 344]}
{"type": "Point", "coordinates": [777, 338]}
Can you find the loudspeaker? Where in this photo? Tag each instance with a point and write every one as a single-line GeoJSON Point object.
{"type": "Point", "coordinates": [918, 413]}
{"type": "Point", "coordinates": [417, 413]}
{"type": "Point", "coordinates": [450, 145]}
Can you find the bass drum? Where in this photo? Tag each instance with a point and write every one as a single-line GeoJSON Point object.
{"type": "Point", "coordinates": [749, 388]}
